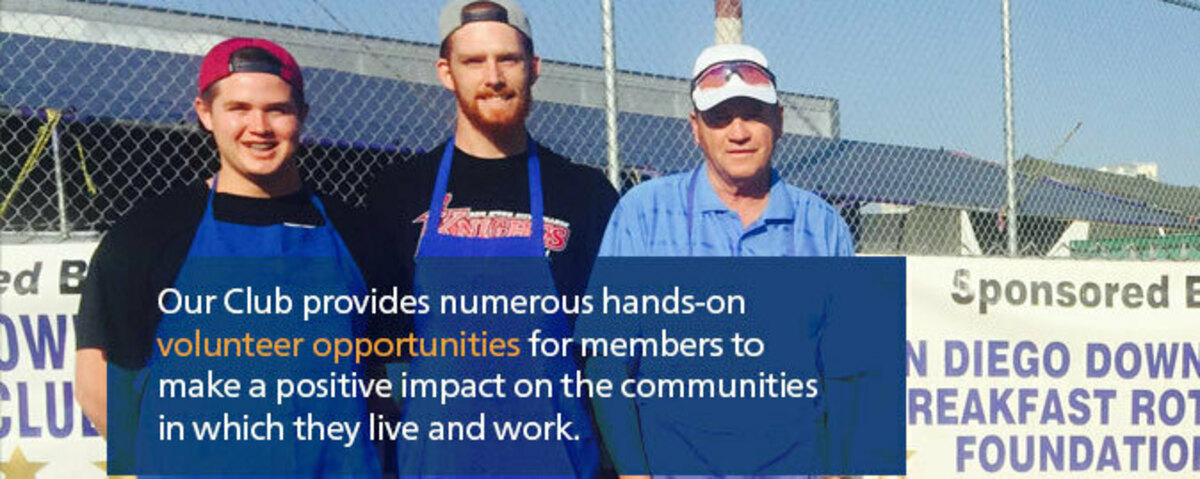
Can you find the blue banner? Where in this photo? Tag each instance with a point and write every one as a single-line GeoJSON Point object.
{"type": "Point", "coordinates": [673, 366]}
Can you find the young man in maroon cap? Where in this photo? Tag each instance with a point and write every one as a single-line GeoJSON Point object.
{"type": "Point", "coordinates": [492, 191]}
{"type": "Point", "coordinates": [255, 210]}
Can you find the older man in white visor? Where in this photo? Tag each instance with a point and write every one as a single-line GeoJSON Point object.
{"type": "Point", "coordinates": [733, 204]}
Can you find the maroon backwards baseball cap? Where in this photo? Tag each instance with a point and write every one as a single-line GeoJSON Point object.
{"type": "Point", "coordinates": [219, 63]}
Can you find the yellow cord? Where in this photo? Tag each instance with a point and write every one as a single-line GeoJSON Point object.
{"type": "Point", "coordinates": [39, 145]}
{"type": "Point", "coordinates": [44, 134]}
{"type": "Point", "coordinates": [87, 177]}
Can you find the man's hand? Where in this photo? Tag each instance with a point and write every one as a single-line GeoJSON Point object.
{"type": "Point", "coordinates": [91, 386]}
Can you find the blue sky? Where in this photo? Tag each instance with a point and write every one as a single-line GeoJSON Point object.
{"type": "Point", "coordinates": [921, 73]}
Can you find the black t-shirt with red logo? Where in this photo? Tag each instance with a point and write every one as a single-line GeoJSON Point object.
{"type": "Point", "coordinates": [489, 198]}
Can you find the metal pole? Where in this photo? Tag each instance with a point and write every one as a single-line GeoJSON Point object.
{"type": "Point", "coordinates": [1009, 162]}
{"type": "Point", "coordinates": [610, 95]}
{"type": "Point", "coordinates": [729, 21]}
{"type": "Point", "coordinates": [63, 230]}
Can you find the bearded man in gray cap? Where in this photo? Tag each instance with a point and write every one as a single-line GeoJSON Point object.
{"type": "Point", "coordinates": [492, 191]}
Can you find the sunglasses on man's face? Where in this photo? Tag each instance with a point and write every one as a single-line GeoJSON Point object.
{"type": "Point", "coordinates": [747, 109]}
{"type": "Point", "coordinates": [718, 75]}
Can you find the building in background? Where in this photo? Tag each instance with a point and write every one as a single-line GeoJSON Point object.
{"type": "Point", "coordinates": [1141, 170]}
{"type": "Point", "coordinates": [124, 76]}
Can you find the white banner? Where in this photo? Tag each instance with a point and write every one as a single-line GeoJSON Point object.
{"type": "Point", "coordinates": [42, 430]}
{"type": "Point", "coordinates": [1016, 367]}
{"type": "Point", "coordinates": [1053, 368]}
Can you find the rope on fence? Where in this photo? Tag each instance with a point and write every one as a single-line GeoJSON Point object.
{"type": "Point", "coordinates": [44, 134]}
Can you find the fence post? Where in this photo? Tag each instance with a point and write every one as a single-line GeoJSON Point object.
{"type": "Point", "coordinates": [64, 229]}
{"type": "Point", "coordinates": [1009, 162]}
{"type": "Point", "coordinates": [610, 95]}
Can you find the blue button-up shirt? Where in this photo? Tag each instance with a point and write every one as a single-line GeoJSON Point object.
{"type": "Point", "coordinates": [652, 220]}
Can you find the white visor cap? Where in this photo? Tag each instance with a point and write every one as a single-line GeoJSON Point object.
{"type": "Point", "coordinates": [710, 97]}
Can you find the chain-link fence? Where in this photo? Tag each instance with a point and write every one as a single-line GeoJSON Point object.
{"type": "Point", "coordinates": [893, 109]}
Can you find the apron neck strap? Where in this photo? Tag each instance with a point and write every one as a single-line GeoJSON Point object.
{"type": "Point", "coordinates": [537, 226]}
{"type": "Point", "coordinates": [208, 198]}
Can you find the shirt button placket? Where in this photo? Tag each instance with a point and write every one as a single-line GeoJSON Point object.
{"type": "Point", "coordinates": [741, 243]}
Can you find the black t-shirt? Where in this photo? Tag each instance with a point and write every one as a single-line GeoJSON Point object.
{"type": "Point", "coordinates": [486, 197]}
{"type": "Point", "coordinates": [144, 252]}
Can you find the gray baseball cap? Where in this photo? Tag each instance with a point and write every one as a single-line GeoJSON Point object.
{"type": "Point", "coordinates": [457, 13]}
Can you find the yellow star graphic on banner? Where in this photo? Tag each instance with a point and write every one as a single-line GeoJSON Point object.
{"type": "Point", "coordinates": [908, 455]}
{"type": "Point", "coordinates": [19, 468]}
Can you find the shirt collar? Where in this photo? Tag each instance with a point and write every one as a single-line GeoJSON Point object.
{"type": "Point", "coordinates": [779, 202]}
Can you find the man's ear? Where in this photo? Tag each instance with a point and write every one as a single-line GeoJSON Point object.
{"type": "Point", "coordinates": [694, 120]}
{"type": "Point", "coordinates": [302, 113]}
{"type": "Point", "coordinates": [777, 124]}
{"type": "Point", "coordinates": [203, 112]}
{"type": "Point", "coordinates": [537, 70]}
{"type": "Point", "coordinates": [443, 73]}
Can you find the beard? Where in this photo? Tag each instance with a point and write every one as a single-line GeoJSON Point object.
{"type": "Point", "coordinates": [496, 119]}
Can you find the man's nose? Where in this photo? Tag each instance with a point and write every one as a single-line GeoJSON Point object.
{"type": "Point", "coordinates": [495, 77]}
{"type": "Point", "coordinates": [738, 131]}
{"type": "Point", "coordinates": [259, 123]}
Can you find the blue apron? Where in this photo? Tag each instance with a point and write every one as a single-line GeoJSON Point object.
{"type": "Point", "coordinates": [299, 260]}
{"type": "Point", "coordinates": [517, 265]}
